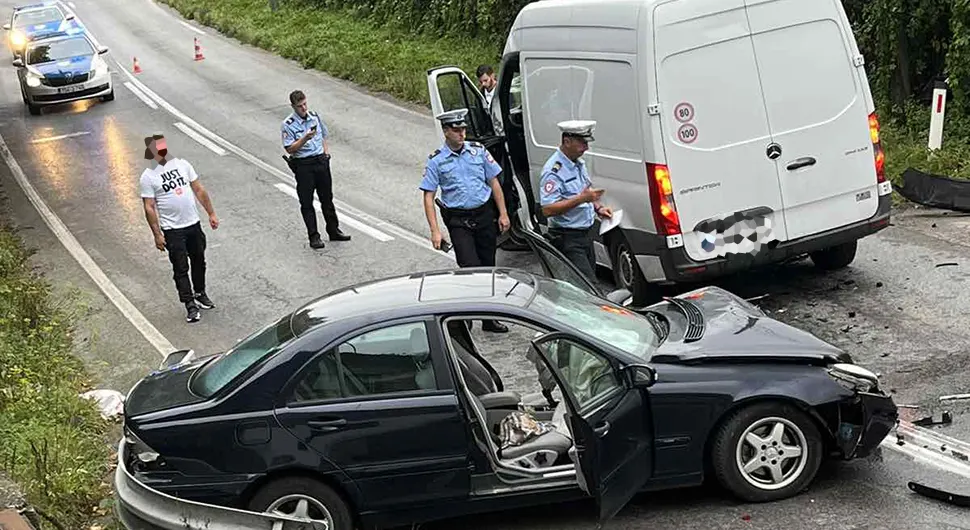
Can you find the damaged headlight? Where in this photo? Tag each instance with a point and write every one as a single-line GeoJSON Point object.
{"type": "Point", "coordinates": [140, 456]}
{"type": "Point", "coordinates": [854, 377]}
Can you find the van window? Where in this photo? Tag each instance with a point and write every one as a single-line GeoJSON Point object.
{"type": "Point", "coordinates": [581, 89]}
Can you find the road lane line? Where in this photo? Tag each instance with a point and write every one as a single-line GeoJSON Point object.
{"type": "Point", "coordinates": [287, 178]}
{"type": "Point", "coordinates": [141, 95]}
{"type": "Point", "coordinates": [72, 5]}
{"type": "Point", "coordinates": [151, 334]}
{"type": "Point", "coordinates": [56, 138]}
{"type": "Point", "coordinates": [199, 138]}
{"type": "Point", "coordinates": [191, 27]}
{"type": "Point", "coordinates": [349, 221]}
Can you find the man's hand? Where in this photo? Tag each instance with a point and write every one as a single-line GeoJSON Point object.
{"type": "Point", "coordinates": [436, 240]}
{"type": "Point", "coordinates": [605, 212]}
{"type": "Point", "coordinates": [160, 242]}
{"type": "Point", "coordinates": [592, 194]}
{"type": "Point", "coordinates": [214, 222]}
{"type": "Point", "coordinates": [503, 223]}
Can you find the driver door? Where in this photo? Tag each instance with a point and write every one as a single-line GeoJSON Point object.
{"type": "Point", "coordinates": [609, 419]}
{"type": "Point", "coordinates": [449, 89]}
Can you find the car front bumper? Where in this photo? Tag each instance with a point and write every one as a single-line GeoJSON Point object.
{"type": "Point", "coordinates": [97, 86]}
{"type": "Point", "coordinates": [866, 420]}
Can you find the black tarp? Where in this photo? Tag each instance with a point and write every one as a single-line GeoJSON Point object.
{"type": "Point", "coordinates": [935, 191]}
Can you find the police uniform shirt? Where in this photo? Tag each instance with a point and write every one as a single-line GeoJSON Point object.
{"type": "Point", "coordinates": [463, 177]}
{"type": "Point", "coordinates": [563, 179]}
{"type": "Point", "coordinates": [294, 127]}
{"type": "Point", "coordinates": [171, 187]}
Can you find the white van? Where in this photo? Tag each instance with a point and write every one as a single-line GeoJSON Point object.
{"type": "Point", "coordinates": [705, 109]}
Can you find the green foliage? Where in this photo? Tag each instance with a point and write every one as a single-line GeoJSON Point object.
{"type": "Point", "coordinates": [52, 442]}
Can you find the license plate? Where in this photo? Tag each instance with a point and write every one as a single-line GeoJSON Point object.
{"type": "Point", "coordinates": [69, 89]}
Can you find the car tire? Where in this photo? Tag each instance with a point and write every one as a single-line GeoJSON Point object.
{"type": "Point", "coordinates": [627, 274]}
{"type": "Point", "coordinates": [109, 97]}
{"type": "Point", "coordinates": [34, 109]}
{"type": "Point", "coordinates": [286, 495]}
{"type": "Point", "coordinates": [834, 258]}
{"type": "Point", "coordinates": [732, 448]}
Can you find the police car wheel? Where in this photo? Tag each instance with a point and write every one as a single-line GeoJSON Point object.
{"type": "Point", "coordinates": [34, 109]}
{"type": "Point", "coordinates": [109, 97]}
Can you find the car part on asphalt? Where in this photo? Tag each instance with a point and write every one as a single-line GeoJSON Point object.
{"type": "Point", "coordinates": [928, 421]}
{"type": "Point", "coordinates": [955, 397]}
{"type": "Point", "coordinates": [955, 499]}
{"type": "Point", "coordinates": [935, 191]}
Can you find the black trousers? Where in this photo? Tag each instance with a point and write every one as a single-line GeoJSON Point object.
{"type": "Point", "coordinates": [185, 246]}
{"type": "Point", "coordinates": [577, 245]}
{"type": "Point", "coordinates": [474, 234]}
{"type": "Point", "coordinates": [313, 175]}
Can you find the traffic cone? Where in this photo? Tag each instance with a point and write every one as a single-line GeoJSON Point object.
{"type": "Point", "coordinates": [136, 68]}
{"type": "Point", "coordinates": [198, 50]}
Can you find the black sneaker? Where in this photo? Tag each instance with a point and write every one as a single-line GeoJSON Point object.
{"type": "Point", "coordinates": [203, 301]}
{"type": "Point", "coordinates": [192, 312]}
{"type": "Point", "coordinates": [338, 235]}
{"type": "Point", "coordinates": [317, 243]}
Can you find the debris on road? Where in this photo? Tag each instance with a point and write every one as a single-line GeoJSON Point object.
{"type": "Point", "coordinates": [955, 397]}
{"type": "Point", "coordinates": [946, 419]}
{"type": "Point", "coordinates": [110, 402]}
{"type": "Point", "coordinates": [940, 495]}
{"type": "Point", "coordinates": [948, 264]}
{"type": "Point", "coordinates": [935, 191]}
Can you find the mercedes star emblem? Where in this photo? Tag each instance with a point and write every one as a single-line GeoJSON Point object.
{"type": "Point", "coordinates": [774, 151]}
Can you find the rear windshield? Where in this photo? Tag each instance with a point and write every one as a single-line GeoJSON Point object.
{"type": "Point", "coordinates": [261, 345]}
{"type": "Point", "coordinates": [38, 16]}
{"type": "Point", "coordinates": [57, 50]}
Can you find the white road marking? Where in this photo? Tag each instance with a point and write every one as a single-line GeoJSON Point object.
{"type": "Point", "coordinates": [141, 95]}
{"type": "Point", "coordinates": [349, 221]}
{"type": "Point", "coordinates": [72, 5]}
{"type": "Point", "coordinates": [191, 27]}
{"type": "Point", "coordinates": [151, 334]}
{"type": "Point", "coordinates": [201, 139]}
{"type": "Point", "coordinates": [287, 178]}
{"type": "Point", "coordinates": [61, 137]}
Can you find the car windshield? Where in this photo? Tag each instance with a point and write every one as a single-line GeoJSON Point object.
{"type": "Point", "coordinates": [36, 16]}
{"type": "Point", "coordinates": [58, 50]}
{"type": "Point", "coordinates": [252, 350]}
{"type": "Point", "coordinates": [596, 317]}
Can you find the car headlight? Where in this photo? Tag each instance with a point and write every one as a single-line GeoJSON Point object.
{"type": "Point", "coordinates": [854, 377]}
{"type": "Point", "coordinates": [33, 80]}
{"type": "Point", "coordinates": [18, 39]}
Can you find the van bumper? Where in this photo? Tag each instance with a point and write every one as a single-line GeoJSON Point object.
{"type": "Point", "coordinates": [660, 264]}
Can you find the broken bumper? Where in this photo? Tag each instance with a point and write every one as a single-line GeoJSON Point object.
{"type": "Point", "coordinates": [866, 421]}
{"type": "Point", "coordinates": [142, 508]}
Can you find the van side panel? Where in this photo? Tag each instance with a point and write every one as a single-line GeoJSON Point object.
{"type": "Point", "coordinates": [817, 110]}
{"type": "Point", "coordinates": [713, 118]}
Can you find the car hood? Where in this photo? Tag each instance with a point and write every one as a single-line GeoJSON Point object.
{"type": "Point", "coordinates": [735, 330]}
{"type": "Point", "coordinates": [73, 65]}
{"type": "Point", "coordinates": [165, 389]}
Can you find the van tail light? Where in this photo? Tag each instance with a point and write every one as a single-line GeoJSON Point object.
{"type": "Point", "coordinates": [878, 152]}
{"type": "Point", "coordinates": [662, 200]}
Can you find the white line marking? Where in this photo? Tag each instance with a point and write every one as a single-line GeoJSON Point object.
{"type": "Point", "coordinates": [201, 139]}
{"type": "Point", "coordinates": [56, 138]}
{"type": "Point", "coordinates": [191, 27]}
{"type": "Point", "coordinates": [348, 210]}
{"type": "Point", "coordinates": [141, 95]}
{"type": "Point", "coordinates": [349, 221]}
{"type": "Point", "coordinates": [151, 334]}
{"type": "Point", "coordinates": [72, 5]}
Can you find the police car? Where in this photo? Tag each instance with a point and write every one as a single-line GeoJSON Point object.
{"type": "Point", "coordinates": [61, 69]}
{"type": "Point", "coordinates": [39, 20]}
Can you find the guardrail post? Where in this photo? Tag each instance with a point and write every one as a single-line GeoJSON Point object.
{"type": "Point", "coordinates": [937, 114]}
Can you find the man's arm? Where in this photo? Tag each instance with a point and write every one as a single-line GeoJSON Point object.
{"type": "Point", "coordinates": [203, 196]}
{"type": "Point", "coordinates": [499, 196]}
{"type": "Point", "coordinates": [151, 215]}
{"type": "Point", "coordinates": [432, 218]}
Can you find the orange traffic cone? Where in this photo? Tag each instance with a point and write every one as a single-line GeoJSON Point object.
{"type": "Point", "coordinates": [198, 50]}
{"type": "Point", "coordinates": [136, 68]}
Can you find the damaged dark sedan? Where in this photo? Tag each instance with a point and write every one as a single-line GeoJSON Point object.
{"type": "Point", "coordinates": [373, 406]}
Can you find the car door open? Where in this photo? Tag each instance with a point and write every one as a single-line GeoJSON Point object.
{"type": "Point", "coordinates": [449, 89]}
{"type": "Point", "coordinates": [608, 416]}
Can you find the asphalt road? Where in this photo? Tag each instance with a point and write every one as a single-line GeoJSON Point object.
{"type": "Point", "coordinates": [894, 310]}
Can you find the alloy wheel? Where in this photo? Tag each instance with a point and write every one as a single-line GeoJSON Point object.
{"type": "Point", "coordinates": [303, 507]}
{"type": "Point", "coordinates": [772, 453]}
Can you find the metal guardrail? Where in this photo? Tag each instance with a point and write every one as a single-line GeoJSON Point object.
{"type": "Point", "coordinates": [142, 508]}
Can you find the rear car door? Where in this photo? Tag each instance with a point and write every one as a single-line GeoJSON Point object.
{"type": "Point", "coordinates": [818, 112]}
{"type": "Point", "coordinates": [715, 127]}
{"type": "Point", "coordinates": [380, 406]}
{"type": "Point", "coordinates": [608, 416]}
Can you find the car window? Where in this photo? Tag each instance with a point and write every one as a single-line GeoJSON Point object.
{"type": "Point", "coordinates": [38, 16]}
{"type": "Point", "coordinates": [217, 374]}
{"type": "Point", "coordinates": [57, 50]}
{"type": "Point", "coordinates": [596, 317]}
{"type": "Point", "coordinates": [587, 375]}
{"type": "Point", "coordinates": [384, 361]}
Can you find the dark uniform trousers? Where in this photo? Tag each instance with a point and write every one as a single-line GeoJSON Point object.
{"type": "Point", "coordinates": [474, 234]}
{"type": "Point", "coordinates": [577, 245]}
{"type": "Point", "coordinates": [184, 245]}
{"type": "Point", "coordinates": [313, 174]}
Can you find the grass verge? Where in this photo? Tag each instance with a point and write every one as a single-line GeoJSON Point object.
{"type": "Point", "coordinates": [53, 443]}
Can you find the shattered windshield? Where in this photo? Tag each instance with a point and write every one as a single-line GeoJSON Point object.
{"type": "Point", "coordinates": [596, 317]}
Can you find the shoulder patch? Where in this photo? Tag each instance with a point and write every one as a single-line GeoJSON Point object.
{"type": "Point", "coordinates": [475, 144]}
{"type": "Point", "coordinates": [434, 154]}
{"type": "Point", "coordinates": [313, 113]}
{"type": "Point", "coordinates": [289, 120]}
{"type": "Point", "coordinates": [556, 166]}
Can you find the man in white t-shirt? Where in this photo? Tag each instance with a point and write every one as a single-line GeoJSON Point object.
{"type": "Point", "coordinates": [169, 191]}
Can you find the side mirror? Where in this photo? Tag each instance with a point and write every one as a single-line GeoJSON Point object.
{"type": "Point", "coordinates": [18, 62]}
{"type": "Point", "coordinates": [102, 50]}
{"type": "Point", "coordinates": [70, 16]}
{"type": "Point", "coordinates": [6, 27]}
{"type": "Point", "coordinates": [176, 358]}
{"type": "Point", "coordinates": [641, 375]}
{"type": "Point", "coordinates": [620, 297]}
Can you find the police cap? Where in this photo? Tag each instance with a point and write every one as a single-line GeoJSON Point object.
{"type": "Point", "coordinates": [578, 128]}
{"type": "Point", "coordinates": [453, 118]}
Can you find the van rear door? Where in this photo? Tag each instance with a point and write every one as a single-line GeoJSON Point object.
{"type": "Point", "coordinates": [817, 111]}
{"type": "Point", "coordinates": [715, 127]}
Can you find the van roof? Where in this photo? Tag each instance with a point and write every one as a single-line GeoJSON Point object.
{"type": "Point", "coordinates": [613, 13]}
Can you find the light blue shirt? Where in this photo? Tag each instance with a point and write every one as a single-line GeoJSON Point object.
{"type": "Point", "coordinates": [563, 179]}
{"type": "Point", "coordinates": [463, 177]}
{"type": "Point", "coordinates": [294, 127]}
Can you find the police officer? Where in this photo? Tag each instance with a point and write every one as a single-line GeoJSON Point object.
{"type": "Point", "coordinates": [568, 199]}
{"type": "Point", "coordinates": [470, 196]}
{"type": "Point", "coordinates": [305, 140]}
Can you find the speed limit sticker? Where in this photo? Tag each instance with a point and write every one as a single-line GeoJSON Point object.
{"type": "Point", "coordinates": [684, 112]}
{"type": "Point", "coordinates": [687, 133]}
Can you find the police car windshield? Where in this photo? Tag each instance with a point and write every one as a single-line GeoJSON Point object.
{"type": "Point", "coordinates": [37, 16]}
{"type": "Point", "coordinates": [59, 49]}
{"type": "Point", "coordinates": [595, 317]}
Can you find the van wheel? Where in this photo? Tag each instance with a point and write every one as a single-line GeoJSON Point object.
{"type": "Point", "coordinates": [627, 275]}
{"type": "Point", "coordinates": [34, 109]}
{"type": "Point", "coordinates": [305, 498]}
{"type": "Point", "coordinates": [836, 257]}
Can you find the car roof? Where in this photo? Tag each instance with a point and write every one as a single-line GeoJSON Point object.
{"type": "Point", "coordinates": [420, 293]}
{"type": "Point", "coordinates": [38, 5]}
{"type": "Point", "coordinates": [59, 36]}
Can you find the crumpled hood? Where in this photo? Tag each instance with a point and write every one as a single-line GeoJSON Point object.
{"type": "Point", "coordinates": [735, 329]}
{"type": "Point", "coordinates": [164, 389]}
{"type": "Point", "coordinates": [74, 65]}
